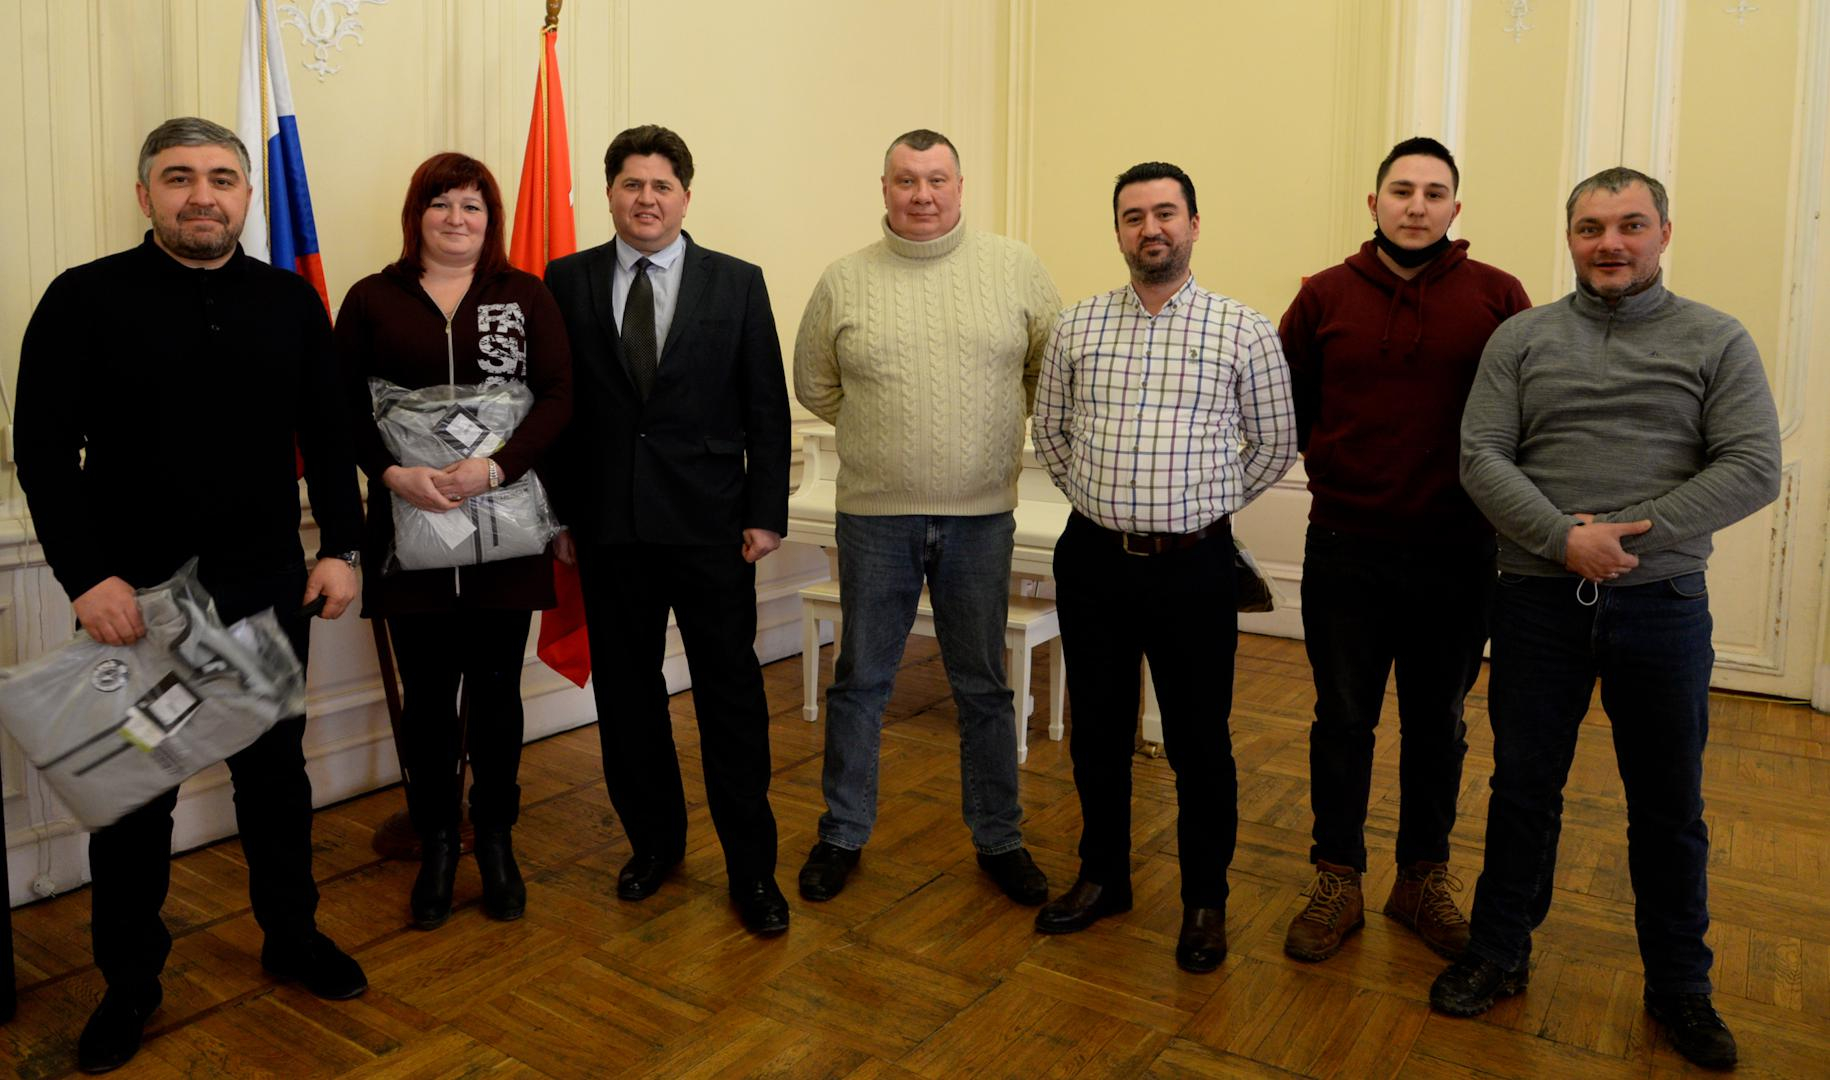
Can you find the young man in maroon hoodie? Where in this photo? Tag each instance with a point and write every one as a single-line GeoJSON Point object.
{"type": "Point", "coordinates": [1398, 565]}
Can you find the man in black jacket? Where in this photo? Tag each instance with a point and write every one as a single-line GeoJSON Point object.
{"type": "Point", "coordinates": [162, 393]}
{"type": "Point", "coordinates": [673, 479]}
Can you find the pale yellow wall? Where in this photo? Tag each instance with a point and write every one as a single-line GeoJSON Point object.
{"type": "Point", "coordinates": [1271, 109]}
{"type": "Point", "coordinates": [1733, 174]}
{"type": "Point", "coordinates": [1512, 152]}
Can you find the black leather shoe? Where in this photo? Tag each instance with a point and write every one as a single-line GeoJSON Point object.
{"type": "Point", "coordinates": [1017, 874]}
{"type": "Point", "coordinates": [1472, 985]}
{"type": "Point", "coordinates": [430, 903]}
{"type": "Point", "coordinates": [319, 966]}
{"type": "Point", "coordinates": [504, 893]}
{"type": "Point", "coordinates": [1082, 906]}
{"type": "Point", "coordinates": [1203, 942]}
{"type": "Point", "coordinates": [642, 875]}
{"type": "Point", "coordinates": [1694, 1028]}
{"type": "Point", "coordinates": [823, 875]}
{"type": "Point", "coordinates": [761, 906]}
{"type": "Point", "coordinates": [112, 1036]}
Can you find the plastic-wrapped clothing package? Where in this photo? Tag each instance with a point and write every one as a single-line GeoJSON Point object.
{"type": "Point", "coordinates": [437, 426]}
{"type": "Point", "coordinates": [1255, 589]}
{"type": "Point", "coordinates": [112, 727]}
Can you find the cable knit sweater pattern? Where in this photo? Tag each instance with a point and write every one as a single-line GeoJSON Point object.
{"type": "Point", "coordinates": [924, 356]}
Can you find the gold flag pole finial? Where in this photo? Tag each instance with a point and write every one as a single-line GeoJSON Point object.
{"type": "Point", "coordinates": [552, 14]}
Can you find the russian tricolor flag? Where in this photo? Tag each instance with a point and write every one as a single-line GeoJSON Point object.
{"type": "Point", "coordinates": [280, 229]}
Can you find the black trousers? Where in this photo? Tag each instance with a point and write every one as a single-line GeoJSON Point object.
{"type": "Point", "coordinates": [628, 589]}
{"type": "Point", "coordinates": [1370, 607]}
{"type": "Point", "coordinates": [485, 650]}
{"type": "Point", "coordinates": [130, 860]}
{"type": "Point", "coordinates": [1177, 609]}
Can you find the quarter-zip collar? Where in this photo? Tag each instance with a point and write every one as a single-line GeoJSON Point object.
{"type": "Point", "coordinates": [1641, 305]}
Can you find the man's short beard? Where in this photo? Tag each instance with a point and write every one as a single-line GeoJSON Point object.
{"type": "Point", "coordinates": [1171, 269]}
{"type": "Point", "coordinates": [1632, 288]}
{"type": "Point", "coordinates": [184, 246]}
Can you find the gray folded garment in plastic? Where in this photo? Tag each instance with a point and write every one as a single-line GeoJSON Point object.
{"type": "Point", "coordinates": [112, 727]}
{"type": "Point", "coordinates": [436, 426]}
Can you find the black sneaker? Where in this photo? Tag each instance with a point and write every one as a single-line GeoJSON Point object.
{"type": "Point", "coordinates": [1694, 1028]}
{"type": "Point", "coordinates": [1017, 874]}
{"type": "Point", "coordinates": [828, 865]}
{"type": "Point", "coordinates": [1472, 985]}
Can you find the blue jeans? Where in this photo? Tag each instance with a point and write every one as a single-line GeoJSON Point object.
{"type": "Point", "coordinates": [882, 561]}
{"type": "Point", "coordinates": [1649, 645]}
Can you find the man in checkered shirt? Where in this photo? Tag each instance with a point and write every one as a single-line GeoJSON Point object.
{"type": "Point", "coordinates": [1162, 410]}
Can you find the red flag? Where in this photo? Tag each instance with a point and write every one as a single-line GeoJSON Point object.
{"type": "Point", "coordinates": [543, 210]}
{"type": "Point", "coordinates": [543, 232]}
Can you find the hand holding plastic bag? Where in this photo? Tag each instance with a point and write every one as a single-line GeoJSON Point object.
{"type": "Point", "coordinates": [112, 727]}
{"type": "Point", "coordinates": [437, 426]}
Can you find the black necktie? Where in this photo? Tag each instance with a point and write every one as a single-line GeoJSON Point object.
{"type": "Point", "coordinates": [638, 330]}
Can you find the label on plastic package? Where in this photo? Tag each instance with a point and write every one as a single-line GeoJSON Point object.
{"type": "Point", "coordinates": [452, 526]}
{"type": "Point", "coordinates": [460, 430]}
{"type": "Point", "coordinates": [159, 712]}
{"type": "Point", "coordinates": [140, 730]}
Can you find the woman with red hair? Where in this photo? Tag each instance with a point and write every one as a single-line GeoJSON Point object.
{"type": "Point", "coordinates": [451, 310]}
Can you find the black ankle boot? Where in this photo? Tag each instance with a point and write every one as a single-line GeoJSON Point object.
{"type": "Point", "coordinates": [504, 895]}
{"type": "Point", "coordinates": [438, 863]}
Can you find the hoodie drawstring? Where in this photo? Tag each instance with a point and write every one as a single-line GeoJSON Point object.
{"type": "Point", "coordinates": [1391, 313]}
{"type": "Point", "coordinates": [1423, 283]}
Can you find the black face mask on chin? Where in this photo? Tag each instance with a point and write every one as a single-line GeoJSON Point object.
{"type": "Point", "coordinates": [1409, 258]}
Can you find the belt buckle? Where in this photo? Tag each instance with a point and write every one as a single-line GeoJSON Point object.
{"type": "Point", "coordinates": [1153, 542]}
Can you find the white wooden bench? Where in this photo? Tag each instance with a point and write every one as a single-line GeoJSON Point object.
{"type": "Point", "coordinates": [1032, 622]}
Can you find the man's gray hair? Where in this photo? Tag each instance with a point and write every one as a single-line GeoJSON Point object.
{"type": "Point", "coordinates": [920, 139]}
{"type": "Point", "coordinates": [1614, 181]}
{"type": "Point", "coordinates": [189, 131]}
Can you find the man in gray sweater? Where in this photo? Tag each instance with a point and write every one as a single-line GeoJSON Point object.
{"type": "Point", "coordinates": [1607, 437]}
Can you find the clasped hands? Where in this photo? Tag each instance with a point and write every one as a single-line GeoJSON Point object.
{"type": "Point", "coordinates": [1593, 550]}
{"type": "Point", "coordinates": [438, 490]}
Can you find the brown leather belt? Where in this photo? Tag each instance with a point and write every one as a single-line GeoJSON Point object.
{"type": "Point", "coordinates": [1160, 543]}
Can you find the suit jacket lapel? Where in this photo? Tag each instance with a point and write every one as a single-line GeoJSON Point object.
{"type": "Point", "coordinates": [692, 290]}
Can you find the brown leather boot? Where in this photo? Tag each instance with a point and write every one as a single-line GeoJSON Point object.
{"type": "Point", "coordinates": [1423, 899]}
{"type": "Point", "coordinates": [1335, 910]}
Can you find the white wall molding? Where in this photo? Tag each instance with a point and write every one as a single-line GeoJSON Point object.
{"type": "Point", "coordinates": [1428, 89]}
{"type": "Point", "coordinates": [1453, 122]}
{"type": "Point", "coordinates": [1766, 653]}
{"type": "Point", "coordinates": [1667, 70]}
{"type": "Point", "coordinates": [326, 26]}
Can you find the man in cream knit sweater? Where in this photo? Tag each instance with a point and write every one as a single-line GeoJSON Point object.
{"type": "Point", "coordinates": [923, 351]}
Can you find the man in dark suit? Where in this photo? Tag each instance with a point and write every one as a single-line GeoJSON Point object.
{"type": "Point", "coordinates": [673, 480]}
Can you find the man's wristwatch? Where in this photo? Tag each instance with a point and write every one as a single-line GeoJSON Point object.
{"type": "Point", "coordinates": [354, 558]}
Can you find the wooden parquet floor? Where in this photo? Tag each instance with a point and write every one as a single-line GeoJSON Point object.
{"type": "Point", "coordinates": [922, 969]}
